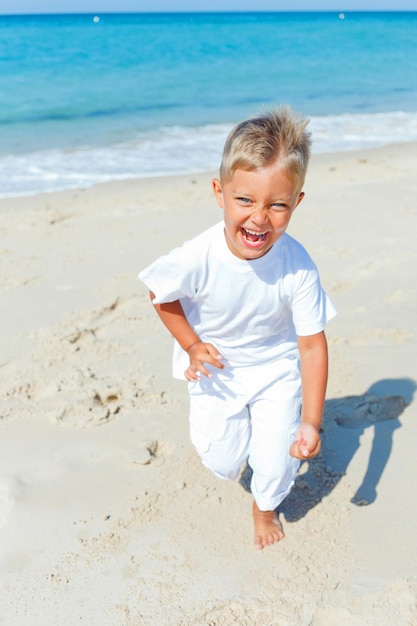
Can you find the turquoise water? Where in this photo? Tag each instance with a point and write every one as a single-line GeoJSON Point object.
{"type": "Point", "coordinates": [84, 100]}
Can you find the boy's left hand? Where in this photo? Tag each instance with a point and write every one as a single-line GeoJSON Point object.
{"type": "Point", "coordinates": [307, 442]}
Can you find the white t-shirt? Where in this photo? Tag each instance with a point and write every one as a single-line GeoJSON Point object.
{"type": "Point", "coordinates": [251, 311]}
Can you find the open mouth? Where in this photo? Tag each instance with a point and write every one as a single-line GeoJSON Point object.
{"type": "Point", "coordinates": [254, 237]}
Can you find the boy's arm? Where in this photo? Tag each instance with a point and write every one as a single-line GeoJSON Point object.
{"type": "Point", "coordinates": [314, 367]}
{"type": "Point", "coordinates": [173, 317]}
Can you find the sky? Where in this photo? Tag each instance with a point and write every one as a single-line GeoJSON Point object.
{"type": "Point", "coordinates": [8, 7]}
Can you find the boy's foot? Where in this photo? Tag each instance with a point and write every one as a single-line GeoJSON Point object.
{"type": "Point", "coordinates": [268, 528]}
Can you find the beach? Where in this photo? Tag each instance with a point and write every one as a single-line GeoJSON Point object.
{"type": "Point", "coordinates": [107, 516]}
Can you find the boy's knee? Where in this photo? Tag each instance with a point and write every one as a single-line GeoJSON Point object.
{"type": "Point", "coordinates": [220, 463]}
{"type": "Point", "coordinates": [223, 450]}
{"type": "Point", "coordinates": [226, 473]}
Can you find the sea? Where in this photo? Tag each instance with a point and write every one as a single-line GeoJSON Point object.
{"type": "Point", "coordinates": [91, 98]}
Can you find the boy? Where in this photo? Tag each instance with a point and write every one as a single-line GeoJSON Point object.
{"type": "Point", "coordinates": [244, 303]}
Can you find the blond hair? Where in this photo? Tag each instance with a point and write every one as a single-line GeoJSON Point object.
{"type": "Point", "coordinates": [277, 135]}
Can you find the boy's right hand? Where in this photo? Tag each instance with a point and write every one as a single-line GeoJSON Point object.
{"type": "Point", "coordinates": [201, 353]}
{"type": "Point", "coordinates": [307, 442]}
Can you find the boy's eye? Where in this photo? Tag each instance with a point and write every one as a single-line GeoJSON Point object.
{"type": "Point", "coordinates": [244, 200]}
{"type": "Point", "coordinates": [279, 206]}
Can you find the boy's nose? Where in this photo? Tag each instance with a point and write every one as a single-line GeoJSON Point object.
{"type": "Point", "coordinates": [259, 216]}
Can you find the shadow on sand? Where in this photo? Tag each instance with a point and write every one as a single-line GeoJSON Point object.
{"type": "Point", "coordinates": [345, 420]}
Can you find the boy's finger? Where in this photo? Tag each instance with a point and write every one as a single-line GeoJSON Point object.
{"type": "Point", "coordinates": [200, 368]}
{"type": "Point", "coordinates": [211, 361]}
{"type": "Point", "coordinates": [217, 364]}
{"type": "Point", "coordinates": [213, 352]}
{"type": "Point", "coordinates": [317, 448]}
{"type": "Point", "coordinates": [305, 452]}
{"type": "Point", "coordinates": [191, 374]}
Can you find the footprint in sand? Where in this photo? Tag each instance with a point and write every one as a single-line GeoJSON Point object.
{"type": "Point", "coordinates": [146, 453]}
{"type": "Point", "coordinates": [367, 410]}
{"type": "Point", "coordinates": [92, 408]}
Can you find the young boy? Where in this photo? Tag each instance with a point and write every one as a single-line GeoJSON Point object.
{"type": "Point", "coordinates": [244, 303]}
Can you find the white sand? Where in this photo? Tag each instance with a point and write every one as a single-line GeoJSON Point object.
{"type": "Point", "coordinates": [107, 516]}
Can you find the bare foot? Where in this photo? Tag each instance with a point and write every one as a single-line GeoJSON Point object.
{"type": "Point", "coordinates": [268, 528]}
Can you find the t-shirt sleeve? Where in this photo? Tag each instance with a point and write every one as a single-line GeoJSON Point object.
{"type": "Point", "coordinates": [311, 306]}
{"type": "Point", "coordinates": [172, 276]}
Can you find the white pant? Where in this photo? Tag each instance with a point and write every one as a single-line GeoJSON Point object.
{"type": "Point", "coordinates": [249, 413]}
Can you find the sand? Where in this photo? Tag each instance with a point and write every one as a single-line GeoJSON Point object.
{"type": "Point", "coordinates": [107, 516]}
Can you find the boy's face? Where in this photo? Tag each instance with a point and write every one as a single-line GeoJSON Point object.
{"type": "Point", "coordinates": [258, 206]}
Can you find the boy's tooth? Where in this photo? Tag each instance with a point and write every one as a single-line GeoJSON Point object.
{"type": "Point", "coordinates": [253, 232]}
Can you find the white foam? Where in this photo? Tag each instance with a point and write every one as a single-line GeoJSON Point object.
{"type": "Point", "coordinates": [180, 150]}
{"type": "Point", "coordinates": [356, 132]}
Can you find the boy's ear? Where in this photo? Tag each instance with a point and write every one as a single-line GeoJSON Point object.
{"type": "Point", "coordinates": [300, 197]}
{"type": "Point", "coordinates": [217, 190]}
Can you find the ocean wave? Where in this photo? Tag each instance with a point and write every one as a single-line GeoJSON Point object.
{"type": "Point", "coordinates": [68, 114]}
{"type": "Point", "coordinates": [181, 150]}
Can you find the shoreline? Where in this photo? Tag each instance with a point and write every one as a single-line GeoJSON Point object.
{"type": "Point", "coordinates": [319, 156]}
{"type": "Point", "coordinates": [316, 156]}
{"type": "Point", "coordinates": [151, 153]}
{"type": "Point", "coordinates": [97, 468]}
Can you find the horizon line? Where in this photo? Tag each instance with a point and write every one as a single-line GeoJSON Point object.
{"type": "Point", "coordinates": [213, 12]}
